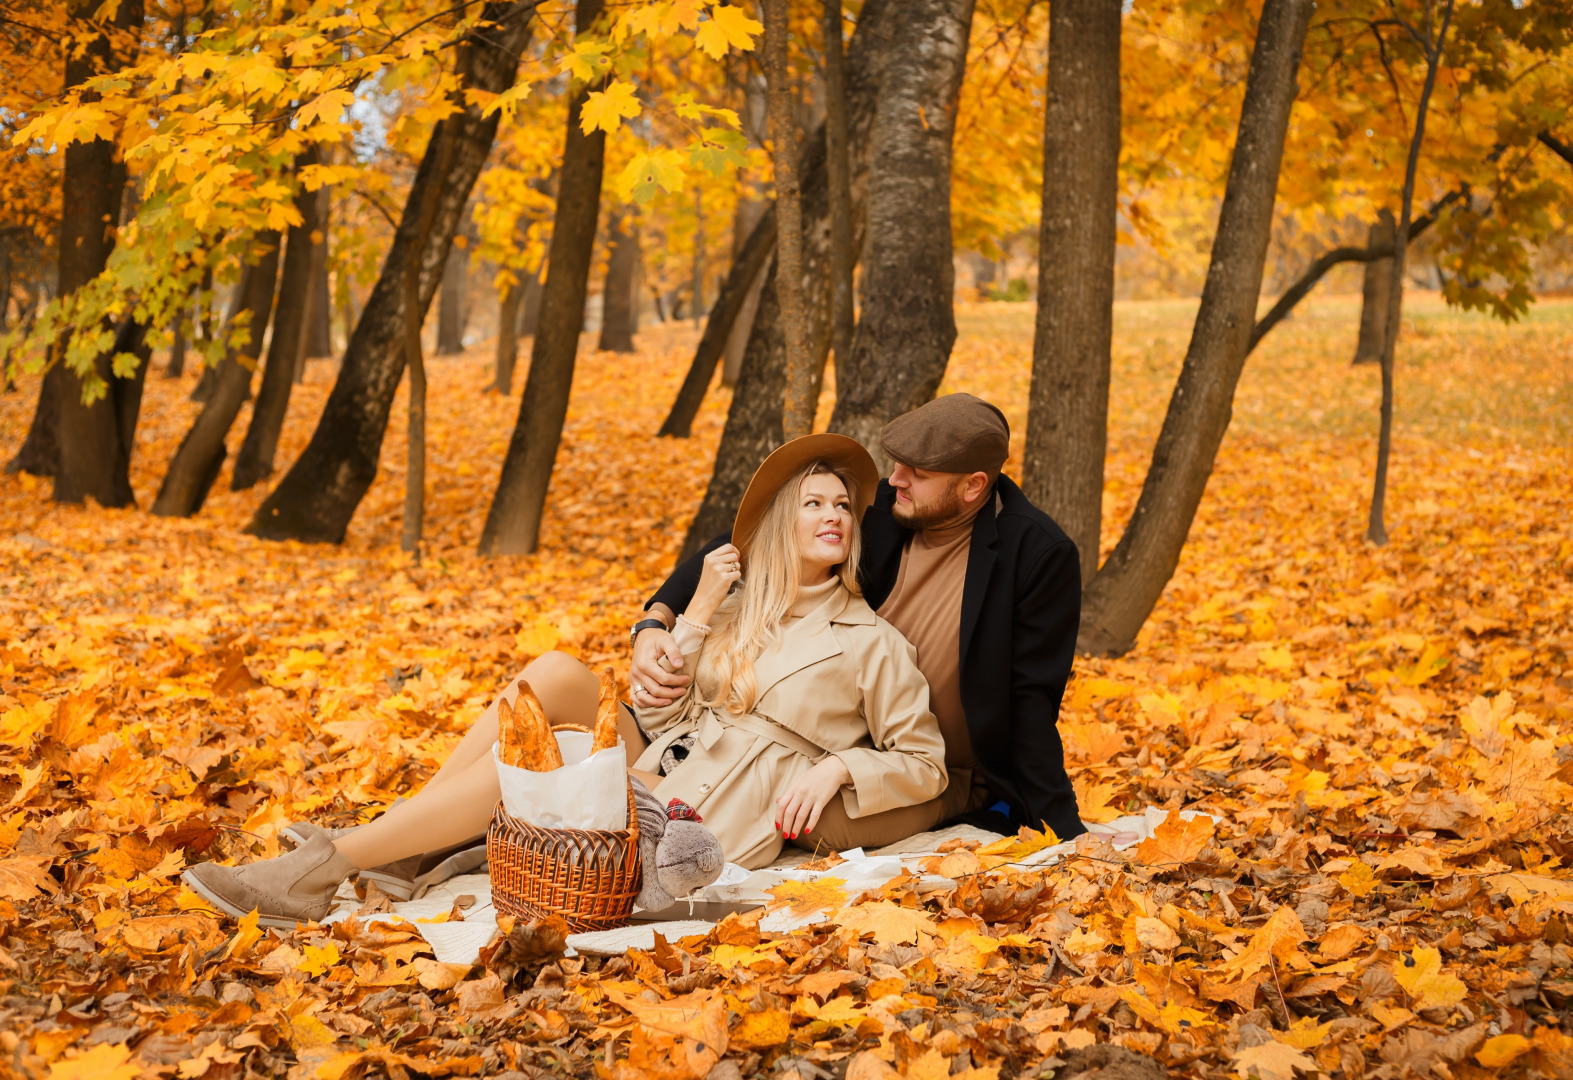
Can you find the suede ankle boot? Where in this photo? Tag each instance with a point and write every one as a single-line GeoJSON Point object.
{"type": "Point", "coordinates": [296, 887]}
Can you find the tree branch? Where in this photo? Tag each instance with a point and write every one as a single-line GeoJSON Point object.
{"type": "Point", "coordinates": [1560, 148]}
{"type": "Point", "coordinates": [1318, 269]}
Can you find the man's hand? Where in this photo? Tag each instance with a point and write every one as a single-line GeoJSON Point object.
{"type": "Point", "coordinates": [652, 685]}
{"type": "Point", "coordinates": [798, 808]}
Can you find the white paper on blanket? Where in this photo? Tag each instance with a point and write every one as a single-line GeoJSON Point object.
{"type": "Point", "coordinates": [588, 792]}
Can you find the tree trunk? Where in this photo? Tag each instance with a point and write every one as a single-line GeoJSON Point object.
{"type": "Point", "coordinates": [318, 496]}
{"type": "Point", "coordinates": [450, 308]}
{"type": "Point", "coordinates": [908, 325]}
{"type": "Point", "coordinates": [513, 524]}
{"type": "Point", "coordinates": [1373, 292]}
{"type": "Point", "coordinates": [1068, 409]}
{"type": "Point", "coordinates": [1119, 599]}
{"type": "Point", "coordinates": [1376, 526]}
{"type": "Point", "coordinates": [39, 453]}
{"type": "Point", "coordinates": [197, 462]}
{"type": "Point", "coordinates": [177, 352]}
{"type": "Point", "coordinates": [802, 384]}
{"type": "Point", "coordinates": [737, 337]}
{"type": "Point", "coordinates": [618, 302]}
{"type": "Point", "coordinates": [530, 305]}
{"type": "Point", "coordinates": [255, 459]}
{"type": "Point", "coordinates": [843, 259]}
{"type": "Point", "coordinates": [753, 424]}
{"type": "Point", "coordinates": [696, 283]}
{"type": "Point", "coordinates": [94, 458]}
{"type": "Point", "coordinates": [745, 278]}
{"type": "Point", "coordinates": [507, 339]}
{"type": "Point", "coordinates": [319, 306]}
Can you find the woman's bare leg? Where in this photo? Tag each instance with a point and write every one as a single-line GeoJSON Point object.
{"type": "Point", "coordinates": [441, 815]}
{"type": "Point", "coordinates": [569, 693]}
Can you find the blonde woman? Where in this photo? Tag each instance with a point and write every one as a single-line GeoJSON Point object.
{"type": "Point", "coordinates": [801, 696]}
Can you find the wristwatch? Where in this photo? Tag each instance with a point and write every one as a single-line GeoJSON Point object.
{"type": "Point", "coordinates": [644, 624]}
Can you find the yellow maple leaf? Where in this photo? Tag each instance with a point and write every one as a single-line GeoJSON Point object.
{"type": "Point", "coordinates": [319, 958]}
{"type": "Point", "coordinates": [605, 110]}
{"type": "Point", "coordinates": [1429, 665]}
{"type": "Point", "coordinates": [1276, 940]}
{"type": "Point", "coordinates": [1304, 1034]}
{"type": "Point", "coordinates": [103, 1062]}
{"type": "Point", "coordinates": [1358, 880]}
{"type": "Point", "coordinates": [1177, 841]}
{"type": "Point", "coordinates": [728, 26]}
{"type": "Point", "coordinates": [1271, 1061]}
{"type": "Point", "coordinates": [890, 923]}
{"type": "Point", "coordinates": [1093, 800]}
{"type": "Point", "coordinates": [803, 898]}
{"type": "Point", "coordinates": [1501, 1050]}
{"type": "Point", "coordinates": [306, 1032]}
{"type": "Point", "coordinates": [1421, 975]}
{"type": "Point", "coordinates": [24, 877]}
{"type": "Point", "coordinates": [1015, 848]}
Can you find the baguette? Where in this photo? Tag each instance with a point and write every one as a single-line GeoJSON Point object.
{"type": "Point", "coordinates": [606, 714]}
{"type": "Point", "coordinates": [525, 739]}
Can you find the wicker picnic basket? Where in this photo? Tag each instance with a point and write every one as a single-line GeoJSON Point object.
{"type": "Point", "coordinates": [588, 877]}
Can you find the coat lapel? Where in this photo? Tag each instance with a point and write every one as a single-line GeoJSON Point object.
{"type": "Point", "coordinates": [805, 642]}
{"type": "Point", "coordinates": [980, 565]}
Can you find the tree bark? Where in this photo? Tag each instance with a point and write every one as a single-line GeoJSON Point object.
{"type": "Point", "coordinates": [318, 496]}
{"type": "Point", "coordinates": [257, 451]}
{"type": "Point", "coordinates": [908, 325]}
{"type": "Point", "coordinates": [617, 297]}
{"type": "Point", "coordinates": [319, 306]}
{"type": "Point", "coordinates": [753, 423]}
{"type": "Point", "coordinates": [177, 353]}
{"type": "Point", "coordinates": [747, 269]}
{"type": "Point", "coordinates": [1373, 291]}
{"type": "Point", "coordinates": [94, 458]}
{"type": "Point", "coordinates": [450, 309]}
{"type": "Point", "coordinates": [513, 524]}
{"type": "Point", "coordinates": [197, 462]}
{"type": "Point", "coordinates": [530, 305]}
{"type": "Point", "coordinates": [1068, 409]}
{"type": "Point", "coordinates": [1122, 595]}
{"type": "Point", "coordinates": [507, 339]}
{"type": "Point", "coordinates": [843, 316]}
{"type": "Point", "coordinates": [39, 453]}
{"type": "Point", "coordinates": [802, 385]}
{"type": "Point", "coordinates": [1376, 526]}
{"type": "Point", "coordinates": [696, 284]}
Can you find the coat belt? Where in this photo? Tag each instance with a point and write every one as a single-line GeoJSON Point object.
{"type": "Point", "coordinates": [767, 728]}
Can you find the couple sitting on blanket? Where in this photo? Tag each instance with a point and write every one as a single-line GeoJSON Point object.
{"type": "Point", "coordinates": [859, 661]}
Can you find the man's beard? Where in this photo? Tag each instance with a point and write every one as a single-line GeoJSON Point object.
{"type": "Point", "coordinates": [939, 511]}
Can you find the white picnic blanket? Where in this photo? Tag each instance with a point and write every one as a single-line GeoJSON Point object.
{"type": "Point", "coordinates": [460, 942]}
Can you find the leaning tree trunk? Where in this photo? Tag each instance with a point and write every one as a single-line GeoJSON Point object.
{"type": "Point", "coordinates": [1373, 292]}
{"type": "Point", "coordinates": [1068, 408]}
{"type": "Point", "coordinates": [255, 459]}
{"type": "Point", "coordinates": [617, 297]}
{"type": "Point", "coordinates": [197, 462]}
{"type": "Point", "coordinates": [318, 496]}
{"type": "Point", "coordinates": [39, 453]}
{"type": "Point", "coordinates": [92, 455]}
{"type": "Point", "coordinates": [1118, 600]}
{"type": "Point", "coordinates": [753, 423]}
{"type": "Point", "coordinates": [507, 338]}
{"type": "Point", "coordinates": [802, 373]}
{"type": "Point", "coordinates": [450, 309]}
{"type": "Point", "coordinates": [908, 325]}
{"type": "Point", "coordinates": [530, 304]}
{"type": "Point", "coordinates": [742, 281]}
{"type": "Point", "coordinates": [513, 524]}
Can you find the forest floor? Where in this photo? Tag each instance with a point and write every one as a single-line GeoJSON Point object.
{"type": "Point", "coordinates": [1385, 737]}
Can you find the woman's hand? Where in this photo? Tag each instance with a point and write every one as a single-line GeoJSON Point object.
{"type": "Point", "coordinates": [723, 567]}
{"type": "Point", "coordinates": [798, 808]}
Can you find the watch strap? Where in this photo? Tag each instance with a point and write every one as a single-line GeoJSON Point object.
{"type": "Point", "coordinates": [644, 624]}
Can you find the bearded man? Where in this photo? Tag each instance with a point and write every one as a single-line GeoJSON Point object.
{"type": "Point", "coordinates": [985, 586]}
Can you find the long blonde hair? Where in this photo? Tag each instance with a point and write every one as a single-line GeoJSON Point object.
{"type": "Point", "coordinates": [724, 679]}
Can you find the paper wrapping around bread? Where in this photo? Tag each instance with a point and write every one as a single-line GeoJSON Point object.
{"type": "Point", "coordinates": [524, 738]}
{"type": "Point", "coordinates": [606, 713]}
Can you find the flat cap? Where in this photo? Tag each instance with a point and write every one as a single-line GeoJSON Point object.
{"type": "Point", "coordinates": [957, 433]}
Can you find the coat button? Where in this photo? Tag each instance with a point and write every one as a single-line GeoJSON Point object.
{"type": "Point", "coordinates": [704, 789]}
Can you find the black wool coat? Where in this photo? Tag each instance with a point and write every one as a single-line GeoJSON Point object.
{"type": "Point", "coordinates": [1020, 610]}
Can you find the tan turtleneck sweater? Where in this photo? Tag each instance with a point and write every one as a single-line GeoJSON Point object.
{"type": "Point", "coordinates": [925, 605]}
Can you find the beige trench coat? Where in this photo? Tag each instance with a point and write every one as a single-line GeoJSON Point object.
{"type": "Point", "coordinates": [841, 679]}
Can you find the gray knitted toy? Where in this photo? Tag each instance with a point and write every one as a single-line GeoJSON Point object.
{"type": "Point", "coordinates": [677, 853]}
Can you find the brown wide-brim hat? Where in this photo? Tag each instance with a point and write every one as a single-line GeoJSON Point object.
{"type": "Point", "coordinates": [837, 451]}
